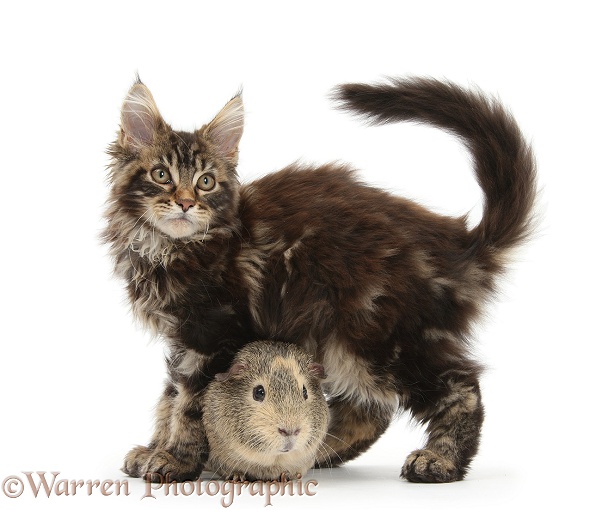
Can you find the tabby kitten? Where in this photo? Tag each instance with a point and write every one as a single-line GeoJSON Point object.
{"type": "Point", "coordinates": [378, 289]}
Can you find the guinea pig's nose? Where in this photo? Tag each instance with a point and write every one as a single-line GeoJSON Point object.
{"type": "Point", "coordinates": [289, 432]}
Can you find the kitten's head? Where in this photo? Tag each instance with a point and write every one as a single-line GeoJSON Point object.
{"type": "Point", "coordinates": [170, 185]}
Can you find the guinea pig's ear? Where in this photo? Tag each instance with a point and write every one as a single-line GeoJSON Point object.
{"type": "Point", "coordinates": [316, 370]}
{"type": "Point", "coordinates": [235, 370]}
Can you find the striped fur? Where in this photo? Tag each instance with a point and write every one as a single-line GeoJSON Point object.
{"type": "Point", "coordinates": [375, 287]}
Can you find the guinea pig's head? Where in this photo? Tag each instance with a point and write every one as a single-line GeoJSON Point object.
{"type": "Point", "coordinates": [269, 403]}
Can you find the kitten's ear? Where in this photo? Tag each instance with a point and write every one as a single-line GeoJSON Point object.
{"type": "Point", "coordinates": [225, 130]}
{"type": "Point", "coordinates": [140, 118]}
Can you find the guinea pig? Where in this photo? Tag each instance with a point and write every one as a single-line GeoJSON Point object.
{"type": "Point", "coordinates": [267, 416]}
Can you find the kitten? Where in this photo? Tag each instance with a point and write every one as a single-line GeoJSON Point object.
{"type": "Point", "coordinates": [378, 289]}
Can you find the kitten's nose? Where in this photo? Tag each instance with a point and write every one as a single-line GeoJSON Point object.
{"type": "Point", "coordinates": [185, 203]}
{"type": "Point", "coordinates": [289, 432]}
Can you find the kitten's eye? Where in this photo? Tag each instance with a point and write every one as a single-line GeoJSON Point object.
{"type": "Point", "coordinates": [304, 392]}
{"type": "Point", "coordinates": [259, 393]}
{"type": "Point", "coordinates": [161, 176]}
{"type": "Point", "coordinates": [206, 182]}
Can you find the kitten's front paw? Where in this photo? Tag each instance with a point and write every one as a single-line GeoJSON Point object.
{"type": "Point", "coordinates": [135, 460]}
{"type": "Point", "coordinates": [426, 466]}
{"type": "Point", "coordinates": [157, 466]}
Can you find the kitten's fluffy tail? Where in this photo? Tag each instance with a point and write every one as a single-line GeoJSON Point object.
{"type": "Point", "coordinates": [503, 160]}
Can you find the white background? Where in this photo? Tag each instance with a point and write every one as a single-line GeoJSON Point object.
{"type": "Point", "coordinates": [79, 379]}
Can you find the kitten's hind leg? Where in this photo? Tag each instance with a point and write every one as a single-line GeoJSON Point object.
{"type": "Point", "coordinates": [454, 427]}
{"type": "Point", "coordinates": [353, 428]}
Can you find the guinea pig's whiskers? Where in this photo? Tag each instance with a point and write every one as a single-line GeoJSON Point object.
{"type": "Point", "coordinates": [338, 439]}
{"type": "Point", "coordinates": [326, 448]}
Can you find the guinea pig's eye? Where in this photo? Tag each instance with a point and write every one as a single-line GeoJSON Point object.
{"type": "Point", "coordinates": [304, 392]}
{"type": "Point", "coordinates": [259, 393]}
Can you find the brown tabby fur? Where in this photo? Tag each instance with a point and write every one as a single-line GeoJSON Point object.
{"type": "Point", "coordinates": [378, 289]}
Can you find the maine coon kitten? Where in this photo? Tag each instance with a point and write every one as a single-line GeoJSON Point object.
{"type": "Point", "coordinates": [378, 289]}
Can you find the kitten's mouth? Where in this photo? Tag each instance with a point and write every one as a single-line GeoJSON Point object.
{"type": "Point", "coordinates": [179, 226]}
{"type": "Point", "coordinates": [180, 219]}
